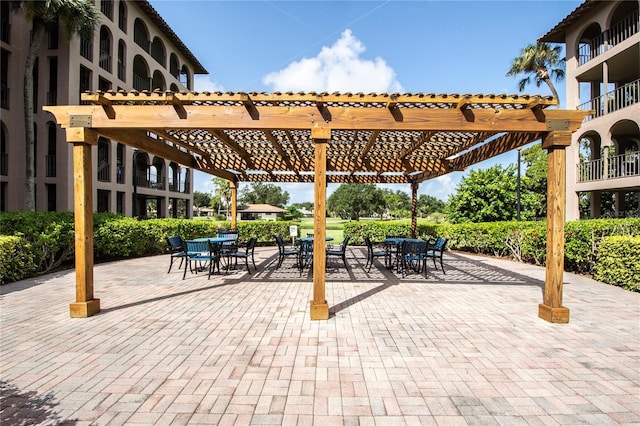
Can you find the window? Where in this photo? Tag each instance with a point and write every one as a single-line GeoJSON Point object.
{"type": "Point", "coordinates": [106, 7]}
{"type": "Point", "coordinates": [5, 25]}
{"type": "Point", "coordinates": [158, 52]}
{"type": "Point", "coordinates": [174, 65]}
{"type": "Point", "coordinates": [52, 37]}
{"type": "Point", "coordinates": [120, 203]}
{"type": "Point", "coordinates": [4, 155]}
{"type": "Point", "coordinates": [85, 80]}
{"type": "Point", "coordinates": [86, 48]}
{"type": "Point", "coordinates": [184, 77]}
{"type": "Point", "coordinates": [122, 16]}
{"type": "Point", "coordinates": [104, 84]}
{"type": "Point", "coordinates": [122, 60]}
{"type": "Point", "coordinates": [141, 35]}
{"type": "Point", "coordinates": [103, 160]}
{"type": "Point", "coordinates": [120, 163]}
{"type": "Point", "coordinates": [141, 79]}
{"type": "Point", "coordinates": [103, 201]}
{"type": "Point", "coordinates": [51, 197]}
{"type": "Point", "coordinates": [4, 79]}
{"type": "Point", "coordinates": [50, 159]}
{"type": "Point", "coordinates": [105, 49]}
{"type": "Point", "coordinates": [52, 94]}
{"type": "Point", "coordinates": [158, 81]}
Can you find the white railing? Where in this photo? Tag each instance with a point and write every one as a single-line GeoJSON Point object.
{"type": "Point", "coordinates": [620, 31]}
{"type": "Point", "coordinates": [617, 166]}
{"type": "Point", "coordinates": [614, 100]}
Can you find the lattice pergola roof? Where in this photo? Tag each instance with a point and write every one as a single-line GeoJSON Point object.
{"type": "Point", "coordinates": [267, 137]}
{"type": "Point", "coordinates": [320, 138]}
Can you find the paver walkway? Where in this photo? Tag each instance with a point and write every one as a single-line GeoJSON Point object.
{"type": "Point", "coordinates": [462, 348]}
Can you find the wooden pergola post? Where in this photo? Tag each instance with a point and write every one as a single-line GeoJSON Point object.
{"type": "Point", "coordinates": [552, 310]}
{"type": "Point", "coordinates": [319, 309]}
{"type": "Point", "coordinates": [82, 139]}
{"type": "Point", "coordinates": [234, 204]}
{"type": "Point", "coordinates": [414, 209]}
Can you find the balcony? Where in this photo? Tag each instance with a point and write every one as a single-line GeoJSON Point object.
{"type": "Point", "coordinates": [617, 99]}
{"type": "Point", "coordinates": [619, 32]}
{"type": "Point", "coordinates": [617, 166]}
{"type": "Point", "coordinates": [105, 60]}
{"type": "Point", "coordinates": [103, 172]}
{"type": "Point", "coordinates": [142, 180]}
{"type": "Point", "coordinates": [141, 83]}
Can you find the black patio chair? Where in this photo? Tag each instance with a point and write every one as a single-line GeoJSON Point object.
{"type": "Point", "coordinates": [305, 255]}
{"type": "Point", "coordinates": [203, 254]}
{"type": "Point", "coordinates": [436, 251]}
{"type": "Point", "coordinates": [176, 249]}
{"type": "Point", "coordinates": [341, 252]}
{"type": "Point", "coordinates": [373, 254]}
{"type": "Point", "coordinates": [246, 254]}
{"type": "Point", "coordinates": [413, 256]}
{"type": "Point", "coordinates": [283, 251]}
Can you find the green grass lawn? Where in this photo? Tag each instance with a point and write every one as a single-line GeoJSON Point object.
{"type": "Point", "coordinates": [334, 228]}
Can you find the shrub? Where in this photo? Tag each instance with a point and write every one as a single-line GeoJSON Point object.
{"type": "Point", "coordinates": [16, 259]}
{"type": "Point", "coordinates": [618, 262]}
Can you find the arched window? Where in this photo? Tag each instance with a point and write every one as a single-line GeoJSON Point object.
{"type": "Point", "coordinates": [141, 34]}
{"type": "Point", "coordinates": [122, 16]}
{"type": "Point", "coordinates": [141, 79]}
{"type": "Point", "coordinates": [174, 88]}
{"type": "Point", "coordinates": [158, 52]}
{"type": "Point", "coordinates": [174, 65]}
{"type": "Point", "coordinates": [106, 7]}
{"type": "Point", "coordinates": [86, 47]}
{"type": "Point", "coordinates": [122, 60]}
{"type": "Point", "coordinates": [158, 81]}
{"type": "Point", "coordinates": [185, 78]}
{"type": "Point", "coordinates": [50, 159]}
{"type": "Point", "coordinates": [105, 48]}
{"type": "Point", "coordinates": [590, 44]}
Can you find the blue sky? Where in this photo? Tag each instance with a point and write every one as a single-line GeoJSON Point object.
{"type": "Point", "coordinates": [362, 46]}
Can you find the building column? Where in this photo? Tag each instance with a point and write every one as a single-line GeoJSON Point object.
{"type": "Point", "coordinates": [319, 309]}
{"type": "Point", "coordinates": [82, 139]}
{"type": "Point", "coordinates": [552, 310]}
{"type": "Point", "coordinates": [234, 204]}
{"type": "Point", "coordinates": [414, 209]}
{"type": "Point", "coordinates": [596, 204]}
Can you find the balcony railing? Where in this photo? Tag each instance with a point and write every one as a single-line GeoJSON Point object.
{"type": "Point", "coordinates": [141, 40]}
{"type": "Point", "coordinates": [617, 166]}
{"type": "Point", "coordinates": [50, 163]}
{"type": "Point", "coordinates": [120, 174]}
{"type": "Point", "coordinates": [607, 39]}
{"type": "Point", "coordinates": [141, 83]}
{"type": "Point", "coordinates": [105, 61]}
{"type": "Point", "coordinates": [615, 100]}
{"type": "Point", "coordinates": [178, 186]}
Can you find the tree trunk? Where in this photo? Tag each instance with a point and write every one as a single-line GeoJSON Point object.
{"type": "Point", "coordinates": [30, 188]}
{"type": "Point", "coordinates": [553, 90]}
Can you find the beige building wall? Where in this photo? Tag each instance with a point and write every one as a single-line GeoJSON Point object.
{"type": "Point", "coordinates": [105, 69]}
{"type": "Point", "coordinates": [602, 41]}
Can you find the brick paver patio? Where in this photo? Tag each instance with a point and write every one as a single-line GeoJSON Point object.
{"type": "Point", "coordinates": [462, 348]}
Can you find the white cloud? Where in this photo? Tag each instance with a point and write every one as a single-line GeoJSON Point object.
{"type": "Point", "coordinates": [204, 83]}
{"type": "Point", "coordinates": [339, 68]}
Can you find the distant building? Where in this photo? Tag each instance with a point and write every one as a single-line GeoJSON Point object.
{"type": "Point", "coordinates": [602, 41]}
{"type": "Point", "coordinates": [305, 212]}
{"type": "Point", "coordinates": [259, 212]}
{"type": "Point", "coordinates": [133, 48]}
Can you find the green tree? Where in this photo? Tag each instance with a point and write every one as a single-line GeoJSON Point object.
{"type": "Point", "coordinates": [264, 193]}
{"type": "Point", "coordinates": [485, 195]}
{"type": "Point", "coordinates": [542, 61]}
{"type": "Point", "coordinates": [398, 203]}
{"type": "Point", "coordinates": [428, 204]}
{"type": "Point", "coordinates": [222, 192]}
{"type": "Point", "coordinates": [201, 199]}
{"type": "Point", "coordinates": [355, 199]}
{"type": "Point", "coordinates": [533, 187]}
{"type": "Point", "coordinates": [78, 17]}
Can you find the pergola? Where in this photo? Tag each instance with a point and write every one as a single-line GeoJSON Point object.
{"type": "Point", "coordinates": [320, 138]}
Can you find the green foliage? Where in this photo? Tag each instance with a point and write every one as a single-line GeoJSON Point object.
{"type": "Point", "coordinates": [16, 259]}
{"type": "Point", "coordinates": [264, 230]}
{"type": "Point", "coordinates": [542, 61]}
{"type": "Point", "coordinates": [201, 199]}
{"type": "Point", "coordinates": [619, 262]}
{"type": "Point", "coordinates": [485, 195]}
{"type": "Point", "coordinates": [533, 187]}
{"type": "Point", "coordinates": [354, 200]}
{"type": "Point", "coordinates": [428, 205]}
{"type": "Point", "coordinates": [264, 193]}
{"type": "Point", "coordinates": [50, 235]}
{"type": "Point", "coordinates": [398, 203]}
{"type": "Point", "coordinates": [377, 231]}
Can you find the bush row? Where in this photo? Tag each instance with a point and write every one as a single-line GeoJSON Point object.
{"type": "Point", "coordinates": [43, 241]}
{"type": "Point", "coordinates": [619, 262]}
{"type": "Point", "coordinates": [523, 241]}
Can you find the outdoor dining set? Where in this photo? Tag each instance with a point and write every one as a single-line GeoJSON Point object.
{"type": "Point", "coordinates": [399, 253]}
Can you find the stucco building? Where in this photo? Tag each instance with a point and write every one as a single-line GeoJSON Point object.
{"type": "Point", "coordinates": [132, 48]}
{"type": "Point", "coordinates": [602, 41]}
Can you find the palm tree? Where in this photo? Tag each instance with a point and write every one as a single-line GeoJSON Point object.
{"type": "Point", "coordinates": [223, 190]}
{"type": "Point", "coordinates": [77, 17]}
{"type": "Point", "coordinates": [542, 60]}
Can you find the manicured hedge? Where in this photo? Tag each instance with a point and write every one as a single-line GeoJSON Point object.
{"type": "Point", "coordinates": [619, 262]}
{"type": "Point", "coordinates": [16, 259]}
